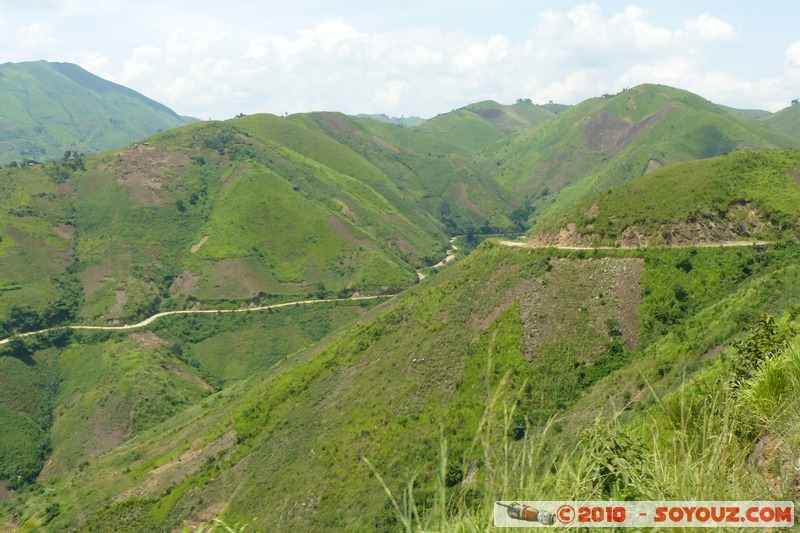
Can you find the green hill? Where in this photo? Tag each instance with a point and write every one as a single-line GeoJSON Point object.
{"type": "Point", "coordinates": [435, 395]}
{"type": "Point", "coordinates": [475, 126]}
{"type": "Point", "coordinates": [739, 196]}
{"type": "Point", "coordinates": [431, 172]}
{"type": "Point", "coordinates": [607, 141]}
{"type": "Point", "coordinates": [757, 114]}
{"type": "Point", "coordinates": [406, 122]}
{"type": "Point", "coordinates": [786, 120]}
{"type": "Point", "coordinates": [480, 382]}
{"type": "Point", "coordinates": [49, 108]}
{"type": "Point", "coordinates": [213, 212]}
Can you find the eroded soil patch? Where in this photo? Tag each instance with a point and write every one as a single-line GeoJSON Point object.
{"type": "Point", "coordinates": [142, 171]}
{"type": "Point", "coordinates": [460, 195]}
{"type": "Point", "coordinates": [601, 295]}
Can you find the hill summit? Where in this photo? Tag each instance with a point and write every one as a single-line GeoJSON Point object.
{"type": "Point", "coordinates": [49, 108]}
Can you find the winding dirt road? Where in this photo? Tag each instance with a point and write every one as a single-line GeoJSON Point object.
{"type": "Point", "coordinates": [150, 320]}
{"type": "Point", "coordinates": [450, 257]}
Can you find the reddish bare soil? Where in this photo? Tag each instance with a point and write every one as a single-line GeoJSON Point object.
{"type": "Point", "coordinates": [460, 195]}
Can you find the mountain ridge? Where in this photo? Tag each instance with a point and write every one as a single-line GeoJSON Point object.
{"type": "Point", "coordinates": [609, 140]}
{"type": "Point", "coordinates": [54, 107]}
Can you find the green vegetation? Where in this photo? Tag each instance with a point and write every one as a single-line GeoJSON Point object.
{"type": "Point", "coordinates": [50, 107]}
{"type": "Point", "coordinates": [604, 142]}
{"type": "Point", "coordinates": [757, 114]}
{"type": "Point", "coordinates": [626, 372]}
{"type": "Point", "coordinates": [406, 122]}
{"type": "Point", "coordinates": [786, 120]}
{"type": "Point", "coordinates": [743, 195]}
{"type": "Point", "coordinates": [231, 347]}
{"type": "Point", "coordinates": [460, 377]}
{"type": "Point", "coordinates": [475, 126]}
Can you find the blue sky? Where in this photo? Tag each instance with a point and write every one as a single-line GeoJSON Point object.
{"type": "Point", "coordinates": [214, 59]}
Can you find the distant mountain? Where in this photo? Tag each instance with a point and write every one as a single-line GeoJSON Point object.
{"type": "Point", "coordinates": [406, 122]}
{"type": "Point", "coordinates": [610, 140]}
{"type": "Point", "coordinates": [49, 108]}
{"type": "Point", "coordinates": [475, 126]}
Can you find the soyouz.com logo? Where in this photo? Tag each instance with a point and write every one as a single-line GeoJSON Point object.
{"type": "Point", "coordinates": [762, 514]}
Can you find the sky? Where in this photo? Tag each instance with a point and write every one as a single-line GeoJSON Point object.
{"type": "Point", "coordinates": [215, 59]}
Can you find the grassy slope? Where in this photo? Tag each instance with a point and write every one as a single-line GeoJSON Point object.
{"type": "Point", "coordinates": [475, 126]}
{"type": "Point", "coordinates": [68, 404]}
{"type": "Point", "coordinates": [753, 195]}
{"type": "Point", "coordinates": [684, 420]}
{"type": "Point", "coordinates": [429, 171]}
{"type": "Point", "coordinates": [758, 114]}
{"type": "Point", "coordinates": [129, 222]}
{"type": "Point", "coordinates": [247, 450]}
{"type": "Point", "coordinates": [31, 252]}
{"type": "Point", "coordinates": [607, 141]}
{"type": "Point", "coordinates": [786, 120]}
{"type": "Point", "coordinates": [52, 107]}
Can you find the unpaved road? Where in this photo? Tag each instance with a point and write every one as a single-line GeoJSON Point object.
{"type": "Point", "coordinates": [150, 320]}
{"type": "Point", "coordinates": [723, 244]}
{"type": "Point", "coordinates": [449, 257]}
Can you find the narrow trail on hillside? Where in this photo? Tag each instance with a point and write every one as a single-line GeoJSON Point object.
{"type": "Point", "coordinates": [150, 320]}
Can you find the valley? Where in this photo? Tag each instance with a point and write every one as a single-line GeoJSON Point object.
{"type": "Point", "coordinates": [321, 322]}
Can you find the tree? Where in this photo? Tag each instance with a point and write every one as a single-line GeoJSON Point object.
{"type": "Point", "coordinates": [24, 318]}
{"type": "Point", "coordinates": [469, 232]}
{"type": "Point", "coordinates": [519, 217]}
{"type": "Point", "coordinates": [796, 101]}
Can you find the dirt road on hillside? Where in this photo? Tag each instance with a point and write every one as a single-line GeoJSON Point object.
{"type": "Point", "coordinates": [150, 320]}
{"type": "Point", "coordinates": [722, 244]}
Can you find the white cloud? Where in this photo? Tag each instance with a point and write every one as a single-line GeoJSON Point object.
{"type": "Point", "coordinates": [482, 55]}
{"type": "Point", "coordinates": [584, 34]}
{"type": "Point", "coordinates": [792, 61]}
{"type": "Point", "coordinates": [36, 36]}
{"type": "Point", "coordinates": [143, 62]}
{"type": "Point", "coordinates": [220, 64]}
{"type": "Point", "coordinates": [708, 28]}
{"type": "Point", "coordinates": [390, 96]}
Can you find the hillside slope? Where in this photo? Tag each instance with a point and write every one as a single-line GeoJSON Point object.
{"type": "Point", "coordinates": [481, 356]}
{"type": "Point", "coordinates": [607, 141]}
{"type": "Point", "coordinates": [249, 210]}
{"type": "Point", "coordinates": [740, 196]}
{"type": "Point", "coordinates": [475, 126]}
{"type": "Point", "coordinates": [432, 173]}
{"type": "Point", "coordinates": [49, 108]}
{"type": "Point", "coordinates": [786, 120]}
